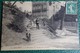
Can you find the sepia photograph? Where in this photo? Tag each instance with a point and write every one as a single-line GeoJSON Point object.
{"type": "Point", "coordinates": [39, 25]}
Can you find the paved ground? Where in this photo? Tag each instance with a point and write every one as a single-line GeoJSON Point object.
{"type": "Point", "coordinates": [42, 39]}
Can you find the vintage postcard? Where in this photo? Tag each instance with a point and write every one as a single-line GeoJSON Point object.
{"type": "Point", "coordinates": [39, 25]}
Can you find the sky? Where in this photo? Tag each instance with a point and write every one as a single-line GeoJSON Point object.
{"type": "Point", "coordinates": [26, 6]}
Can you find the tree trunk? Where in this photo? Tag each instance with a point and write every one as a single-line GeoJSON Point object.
{"type": "Point", "coordinates": [61, 24]}
{"type": "Point", "coordinates": [13, 3]}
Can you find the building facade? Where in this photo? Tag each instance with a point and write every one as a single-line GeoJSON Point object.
{"type": "Point", "coordinates": [39, 10]}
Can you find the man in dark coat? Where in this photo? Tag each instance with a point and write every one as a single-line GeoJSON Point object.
{"type": "Point", "coordinates": [37, 23]}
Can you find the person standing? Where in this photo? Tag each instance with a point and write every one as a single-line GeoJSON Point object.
{"type": "Point", "coordinates": [28, 36]}
{"type": "Point", "coordinates": [37, 23]}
